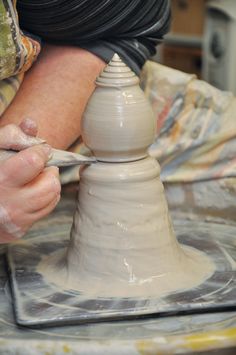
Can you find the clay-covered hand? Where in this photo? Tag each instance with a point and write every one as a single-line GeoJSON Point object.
{"type": "Point", "coordinates": [19, 137]}
{"type": "Point", "coordinates": [28, 190]}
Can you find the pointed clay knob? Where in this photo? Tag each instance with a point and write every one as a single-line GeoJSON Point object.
{"type": "Point", "coordinates": [116, 73]}
{"type": "Point", "coordinates": [118, 123]}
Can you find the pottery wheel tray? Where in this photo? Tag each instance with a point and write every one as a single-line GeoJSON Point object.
{"type": "Point", "coordinates": [39, 304]}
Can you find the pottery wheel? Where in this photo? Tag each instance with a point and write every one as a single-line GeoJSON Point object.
{"type": "Point", "coordinates": [122, 235]}
{"type": "Point", "coordinates": [38, 303]}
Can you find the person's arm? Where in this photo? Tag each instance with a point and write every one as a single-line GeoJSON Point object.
{"type": "Point", "coordinates": [54, 93]}
{"type": "Point", "coordinates": [28, 191]}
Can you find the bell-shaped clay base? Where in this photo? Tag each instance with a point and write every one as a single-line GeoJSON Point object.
{"type": "Point", "coordinates": [122, 242]}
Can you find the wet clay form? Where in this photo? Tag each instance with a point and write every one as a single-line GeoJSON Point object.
{"type": "Point", "coordinates": [122, 242]}
{"type": "Point", "coordinates": [123, 258]}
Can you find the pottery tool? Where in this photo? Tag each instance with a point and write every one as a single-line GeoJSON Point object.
{"type": "Point", "coordinates": [58, 158]}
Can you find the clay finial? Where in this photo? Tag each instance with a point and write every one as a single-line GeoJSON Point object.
{"type": "Point", "coordinates": [117, 73]}
{"type": "Point", "coordinates": [118, 123]}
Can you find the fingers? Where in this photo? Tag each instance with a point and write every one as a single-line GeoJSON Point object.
{"type": "Point", "coordinates": [46, 210]}
{"type": "Point", "coordinates": [26, 221]}
{"type": "Point", "coordinates": [24, 166]}
{"type": "Point", "coordinates": [29, 127]}
{"type": "Point", "coordinates": [22, 207]}
{"type": "Point", "coordinates": [49, 187]}
{"type": "Point", "coordinates": [12, 137]}
{"type": "Point", "coordinates": [42, 191]}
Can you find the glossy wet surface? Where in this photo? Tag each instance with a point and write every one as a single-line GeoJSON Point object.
{"type": "Point", "coordinates": [173, 333]}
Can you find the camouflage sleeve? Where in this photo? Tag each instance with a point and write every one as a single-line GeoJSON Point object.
{"type": "Point", "coordinates": [17, 53]}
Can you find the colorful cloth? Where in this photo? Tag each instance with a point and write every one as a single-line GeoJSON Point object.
{"type": "Point", "coordinates": [196, 126]}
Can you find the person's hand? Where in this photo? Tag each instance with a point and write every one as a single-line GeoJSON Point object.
{"type": "Point", "coordinates": [28, 190]}
{"type": "Point", "coordinates": [19, 137]}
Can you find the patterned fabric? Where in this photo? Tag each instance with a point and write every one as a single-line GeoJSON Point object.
{"type": "Point", "coordinates": [8, 90]}
{"type": "Point", "coordinates": [196, 126]}
{"type": "Point", "coordinates": [17, 53]}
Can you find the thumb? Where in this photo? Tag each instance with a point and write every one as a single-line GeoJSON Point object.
{"type": "Point", "coordinates": [12, 137]}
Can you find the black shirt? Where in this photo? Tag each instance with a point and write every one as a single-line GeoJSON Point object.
{"type": "Point", "coordinates": [131, 28]}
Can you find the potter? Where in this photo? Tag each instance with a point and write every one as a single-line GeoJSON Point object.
{"type": "Point", "coordinates": [57, 157]}
{"type": "Point", "coordinates": [122, 241]}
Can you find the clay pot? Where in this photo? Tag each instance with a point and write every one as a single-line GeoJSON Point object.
{"type": "Point", "coordinates": [118, 124]}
